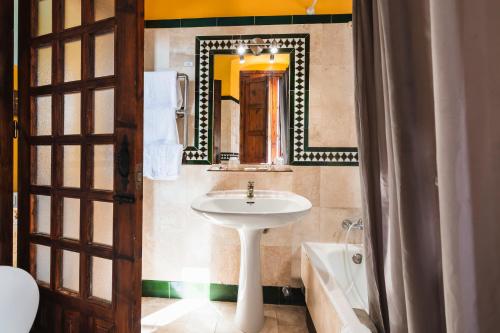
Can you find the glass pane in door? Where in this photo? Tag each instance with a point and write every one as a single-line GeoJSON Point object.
{"type": "Point", "coordinates": [104, 54]}
{"type": "Point", "coordinates": [43, 160]}
{"type": "Point", "coordinates": [44, 17]}
{"type": "Point", "coordinates": [104, 111]}
{"type": "Point", "coordinates": [72, 113]}
{"type": "Point", "coordinates": [71, 218]}
{"type": "Point", "coordinates": [43, 66]}
{"type": "Point", "coordinates": [41, 213]}
{"type": "Point", "coordinates": [104, 9]}
{"type": "Point", "coordinates": [43, 115]}
{"type": "Point", "coordinates": [42, 262]}
{"type": "Point", "coordinates": [72, 13]}
{"type": "Point", "coordinates": [103, 167]}
{"type": "Point", "coordinates": [102, 278]}
{"type": "Point", "coordinates": [102, 223]}
{"type": "Point", "coordinates": [71, 270]}
{"type": "Point", "coordinates": [72, 60]}
{"type": "Point", "coordinates": [71, 166]}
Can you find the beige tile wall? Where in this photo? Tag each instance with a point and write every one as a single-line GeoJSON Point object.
{"type": "Point", "coordinates": [230, 126]}
{"type": "Point", "coordinates": [180, 245]}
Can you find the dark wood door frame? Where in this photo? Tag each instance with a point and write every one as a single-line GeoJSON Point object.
{"type": "Point", "coordinates": [60, 310]}
{"type": "Point", "coordinates": [6, 129]}
{"type": "Point", "coordinates": [217, 121]}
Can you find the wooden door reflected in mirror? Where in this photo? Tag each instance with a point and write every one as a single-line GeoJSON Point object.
{"type": "Point", "coordinates": [251, 108]}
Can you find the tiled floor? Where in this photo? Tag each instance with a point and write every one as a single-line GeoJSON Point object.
{"type": "Point", "coordinates": [161, 315]}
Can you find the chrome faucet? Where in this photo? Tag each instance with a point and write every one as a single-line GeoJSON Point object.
{"type": "Point", "coordinates": [353, 223]}
{"type": "Point", "coordinates": [250, 189]}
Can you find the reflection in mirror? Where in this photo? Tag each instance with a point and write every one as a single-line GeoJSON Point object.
{"type": "Point", "coordinates": [251, 108]}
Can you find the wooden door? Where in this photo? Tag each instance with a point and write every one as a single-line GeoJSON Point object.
{"type": "Point", "coordinates": [217, 127]}
{"type": "Point", "coordinates": [81, 81]}
{"type": "Point", "coordinates": [6, 130]}
{"type": "Point", "coordinates": [253, 117]}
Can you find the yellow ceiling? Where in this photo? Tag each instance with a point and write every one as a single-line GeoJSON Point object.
{"type": "Point", "coordinates": [170, 9]}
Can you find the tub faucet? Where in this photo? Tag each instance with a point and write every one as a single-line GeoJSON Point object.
{"type": "Point", "coordinates": [353, 223]}
{"type": "Point", "coordinates": [250, 190]}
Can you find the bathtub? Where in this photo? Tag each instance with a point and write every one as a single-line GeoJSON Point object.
{"type": "Point", "coordinates": [335, 304]}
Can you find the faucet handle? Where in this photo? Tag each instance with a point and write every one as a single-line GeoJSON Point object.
{"type": "Point", "coordinates": [251, 183]}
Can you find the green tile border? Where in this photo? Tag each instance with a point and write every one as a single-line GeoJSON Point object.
{"type": "Point", "coordinates": [249, 20]}
{"type": "Point", "coordinates": [235, 21]}
{"type": "Point", "coordinates": [216, 292]}
{"type": "Point", "coordinates": [229, 98]}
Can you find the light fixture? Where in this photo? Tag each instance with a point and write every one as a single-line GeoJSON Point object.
{"type": "Point", "coordinates": [311, 10]}
{"type": "Point", "coordinates": [274, 47]}
{"type": "Point", "coordinates": [256, 46]}
{"type": "Point", "coordinates": [242, 59]}
{"type": "Point", "coordinates": [241, 48]}
{"type": "Point", "coordinates": [271, 58]}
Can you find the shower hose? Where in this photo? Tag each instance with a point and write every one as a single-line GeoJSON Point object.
{"type": "Point", "coordinates": [347, 268]}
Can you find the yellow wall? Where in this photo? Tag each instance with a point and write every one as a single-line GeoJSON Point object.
{"type": "Point", "coordinates": [222, 71]}
{"type": "Point", "coordinates": [227, 68]}
{"type": "Point", "coordinates": [170, 9]}
{"type": "Point", "coordinates": [15, 140]}
{"type": "Point", "coordinates": [15, 161]}
{"type": "Point", "coordinates": [15, 77]}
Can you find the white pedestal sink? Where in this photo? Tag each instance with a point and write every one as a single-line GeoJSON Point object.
{"type": "Point", "coordinates": [267, 209]}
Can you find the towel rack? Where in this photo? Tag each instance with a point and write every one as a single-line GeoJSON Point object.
{"type": "Point", "coordinates": [183, 111]}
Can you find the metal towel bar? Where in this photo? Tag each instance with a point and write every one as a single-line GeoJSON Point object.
{"type": "Point", "coordinates": [184, 109]}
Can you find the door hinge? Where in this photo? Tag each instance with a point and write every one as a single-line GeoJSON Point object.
{"type": "Point", "coordinates": [15, 127]}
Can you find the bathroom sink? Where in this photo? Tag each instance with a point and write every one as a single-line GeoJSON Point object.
{"type": "Point", "coordinates": [267, 209]}
{"type": "Point", "coordinates": [250, 212]}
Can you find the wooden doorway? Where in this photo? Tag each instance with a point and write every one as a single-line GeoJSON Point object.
{"type": "Point", "coordinates": [80, 188]}
{"type": "Point", "coordinates": [258, 115]}
{"type": "Point", "coordinates": [6, 129]}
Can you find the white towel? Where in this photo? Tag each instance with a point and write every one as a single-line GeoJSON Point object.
{"type": "Point", "coordinates": [162, 89]}
{"type": "Point", "coordinates": [162, 161]}
{"type": "Point", "coordinates": [162, 151]}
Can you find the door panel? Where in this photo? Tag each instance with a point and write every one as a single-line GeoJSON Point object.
{"type": "Point", "coordinates": [254, 111]}
{"type": "Point", "coordinates": [80, 226]}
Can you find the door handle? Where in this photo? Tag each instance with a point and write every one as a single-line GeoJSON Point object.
{"type": "Point", "coordinates": [123, 162]}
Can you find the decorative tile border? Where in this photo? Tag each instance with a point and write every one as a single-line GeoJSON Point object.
{"type": "Point", "coordinates": [297, 45]}
{"type": "Point", "coordinates": [248, 20]}
{"type": "Point", "coordinates": [216, 292]}
{"type": "Point", "coordinates": [224, 156]}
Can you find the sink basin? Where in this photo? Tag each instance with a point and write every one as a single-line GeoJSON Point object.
{"type": "Point", "coordinates": [267, 209]}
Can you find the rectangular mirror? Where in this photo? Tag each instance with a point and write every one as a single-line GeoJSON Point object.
{"type": "Point", "coordinates": [251, 109]}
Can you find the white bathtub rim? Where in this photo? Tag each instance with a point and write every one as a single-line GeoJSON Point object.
{"type": "Point", "coordinates": [349, 319]}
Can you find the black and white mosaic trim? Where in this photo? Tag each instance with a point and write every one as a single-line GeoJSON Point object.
{"type": "Point", "coordinates": [226, 156]}
{"type": "Point", "coordinates": [297, 45]}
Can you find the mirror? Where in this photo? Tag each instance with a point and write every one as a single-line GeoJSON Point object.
{"type": "Point", "coordinates": [251, 111]}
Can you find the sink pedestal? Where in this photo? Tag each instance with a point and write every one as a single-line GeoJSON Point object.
{"type": "Point", "coordinates": [269, 209]}
{"type": "Point", "coordinates": [250, 307]}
